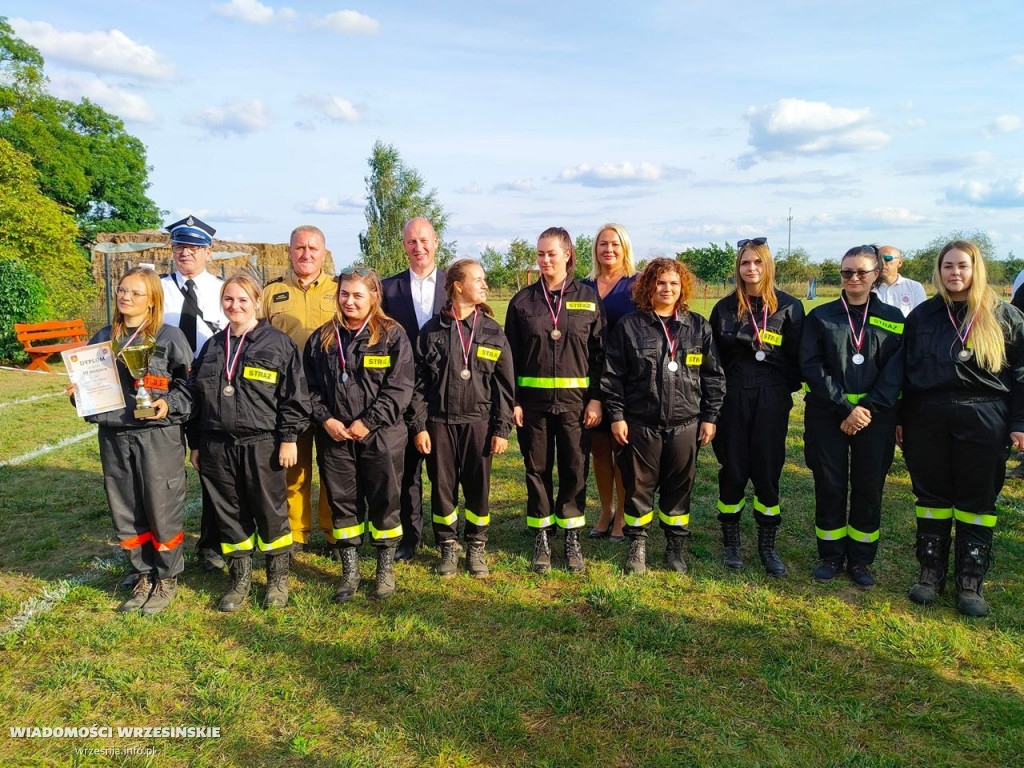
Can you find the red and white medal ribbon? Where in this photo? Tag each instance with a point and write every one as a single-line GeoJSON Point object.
{"type": "Point", "coordinates": [554, 310]}
{"type": "Point", "coordinates": [858, 339]}
{"type": "Point", "coordinates": [229, 364]}
{"type": "Point", "coordinates": [341, 347]}
{"type": "Point", "coordinates": [466, 346]}
{"type": "Point", "coordinates": [965, 353]}
{"type": "Point", "coordinates": [760, 354]}
{"type": "Point", "coordinates": [672, 343]}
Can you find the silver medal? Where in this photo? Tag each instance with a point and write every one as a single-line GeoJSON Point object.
{"type": "Point", "coordinates": [965, 354]}
{"type": "Point", "coordinates": [465, 374]}
{"type": "Point", "coordinates": [556, 334]}
{"type": "Point", "coordinates": [858, 359]}
{"type": "Point", "coordinates": [344, 378]}
{"type": "Point", "coordinates": [673, 366]}
{"type": "Point", "coordinates": [760, 355]}
{"type": "Point", "coordinates": [228, 391]}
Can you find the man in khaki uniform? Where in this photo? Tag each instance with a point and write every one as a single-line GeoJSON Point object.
{"type": "Point", "coordinates": [298, 304]}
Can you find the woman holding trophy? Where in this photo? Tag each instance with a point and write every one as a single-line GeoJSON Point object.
{"type": "Point", "coordinates": [141, 444]}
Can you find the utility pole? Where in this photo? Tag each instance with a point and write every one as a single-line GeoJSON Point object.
{"type": "Point", "coordinates": [789, 244]}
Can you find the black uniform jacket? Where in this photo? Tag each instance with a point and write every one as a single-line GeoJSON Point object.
{"type": "Point", "coordinates": [380, 376]}
{"type": "Point", "coordinates": [441, 395]}
{"type": "Point", "coordinates": [579, 354]}
{"type": "Point", "coordinates": [637, 384]}
{"type": "Point", "coordinates": [737, 343]}
{"type": "Point", "coordinates": [826, 352]}
{"type": "Point", "coordinates": [270, 391]}
{"type": "Point", "coordinates": [933, 371]}
{"type": "Point", "coordinates": [170, 360]}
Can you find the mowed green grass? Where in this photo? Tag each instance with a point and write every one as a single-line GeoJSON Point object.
{"type": "Point", "coordinates": [711, 668]}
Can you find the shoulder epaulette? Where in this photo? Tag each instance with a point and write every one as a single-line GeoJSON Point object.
{"type": "Point", "coordinates": [276, 280]}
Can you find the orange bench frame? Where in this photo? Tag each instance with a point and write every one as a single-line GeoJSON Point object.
{"type": "Point", "coordinates": [28, 333]}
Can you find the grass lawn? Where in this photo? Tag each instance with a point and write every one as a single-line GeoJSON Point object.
{"type": "Point", "coordinates": [711, 668]}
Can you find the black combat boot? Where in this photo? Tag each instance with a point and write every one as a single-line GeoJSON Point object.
{"type": "Point", "coordinates": [573, 552]}
{"type": "Point", "coordinates": [766, 549]}
{"type": "Point", "coordinates": [636, 562]}
{"type": "Point", "coordinates": [240, 569]}
{"type": "Point", "coordinates": [674, 559]}
{"type": "Point", "coordinates": [933, 555]}
{"type": "Point", "coordinates": [732, 554]}
{"type": "Point", "coordinates": [476, 564]}
{"type": "Point", "coordinates": [277, 580]}
{"type": "Point", "coordinates": [349, 557]}
{"type": "Point", "coordinates": [384, 581]}
{"type": "Point", "coordinates": [541, 553]}
{"type": "Point", "coordinates": [449, 559]}
{"type": "Point", "coordinates": [972, 562]}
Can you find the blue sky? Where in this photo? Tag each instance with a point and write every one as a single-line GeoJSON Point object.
{"type": "Point", "coordinates": [890, 122]}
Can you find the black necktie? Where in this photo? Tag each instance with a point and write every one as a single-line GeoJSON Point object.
{"type": "Point", "coordinates": [188, 313]}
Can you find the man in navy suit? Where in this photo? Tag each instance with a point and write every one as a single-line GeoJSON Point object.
{"type": "Point", "coordinates": [411, 298]}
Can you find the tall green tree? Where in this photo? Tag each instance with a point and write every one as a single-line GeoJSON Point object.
{"type": "Point", "coordinates": [396, 193]}
{"type": "Point", "coordinates": [918, 264]}
{"type": "Point", "coordinates": [519, 257]}
{"type": "Point", "coordinates": [36, 231]}
{"type": "Point", "coordinates": [796, 267]}
{"type": "Point", "coordinates": [712, 264]}
{"type": "Point", "coordinates": [584, 246]}
{"type": "Point", "coordinates": [86, 160]}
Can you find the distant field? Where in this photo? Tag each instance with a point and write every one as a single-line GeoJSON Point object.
{"type": "Point", "coordinates": [709, 669]}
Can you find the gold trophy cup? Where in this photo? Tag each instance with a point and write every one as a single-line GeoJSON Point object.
{"type": "Point", "coordinates": [136, 359]}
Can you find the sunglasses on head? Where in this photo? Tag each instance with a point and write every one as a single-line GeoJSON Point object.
{"type": "Point", "coordinates": [753, 241]}
{"type": "Point", "coordinates": [358, 271]}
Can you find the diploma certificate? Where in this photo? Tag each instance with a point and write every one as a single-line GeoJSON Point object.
{"type": "Point", "coordinates": [94, 370]}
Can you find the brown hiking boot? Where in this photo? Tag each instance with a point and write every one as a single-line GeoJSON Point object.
{"type": "Point", "coordinates": [161, 597]}
{"type": "Point", "coordinates": [140, 594]}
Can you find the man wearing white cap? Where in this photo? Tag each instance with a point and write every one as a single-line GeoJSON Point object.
{"type": "Point", "coordinates": [192, 303]}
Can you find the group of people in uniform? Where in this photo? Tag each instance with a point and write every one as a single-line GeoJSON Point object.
{"type": "Point", "coordinates": [383, 376]}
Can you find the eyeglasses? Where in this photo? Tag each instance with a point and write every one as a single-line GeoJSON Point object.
{"type": "Point", "coordinates": [888, 257]}
{"type": "Point", "coordinates": [129, 293]}
{"type": "Point", "coordinates": [860, 274]}
{"type": "Point", "coordinates": [754, 241]}
{"type": "Point", "coordinates": [177, 248]}
{"type": "Point", "coordinates": [358, 271]}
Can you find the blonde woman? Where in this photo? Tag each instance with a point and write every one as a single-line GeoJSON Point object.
{"type": "Point", "coordinates": [757, 332]}
{"type": "Point", "coordinates": [963, 402]}
{"type": "Point", "coordinates": [612, 276]}
{"type": "Point", "coordinates": [251, 407]}
{"type": "Point", "coordinates": [142, 458]}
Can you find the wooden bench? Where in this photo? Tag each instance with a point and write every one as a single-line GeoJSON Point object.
{"type": "Point", "coordinates": [28, 333]}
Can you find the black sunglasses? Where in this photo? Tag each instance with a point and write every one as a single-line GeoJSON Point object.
{"type": "Point", "coordinates": [754, 241]}
{"type": "Point", "coordinates": [360, 271]}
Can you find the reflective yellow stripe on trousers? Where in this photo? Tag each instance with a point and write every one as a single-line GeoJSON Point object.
{"type": "Point", "coordinates": [242, 546]}
{"type": "Point", "coordinates": [863, 538]}
{"type": "Point", "coordinates": [987, 521]}
{"type": "Point", "coordinates": [676, 521]}
{"type": "Point", "coordinates": [835, 535]}
{"type": "Point", "coordinates": [349, 533]}
{"type": "Point", "coordinates": [766, 511]}
{"type": "Point", "coordinates": [730, 509]}
{"type": "Point", "coordinates": [389, 533]}
{"type": "Point", "coordinates": [447, 519]}
{"type": "Point", "coordinates": [282, 541]}
{"type": "Point", "coordinates": [543, 382]}
{"type": "Point", "coordinates": [479, 521]}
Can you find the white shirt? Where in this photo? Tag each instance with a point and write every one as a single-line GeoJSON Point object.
{"type": "Point", "coordinates": [208, 295]}
{"type": "Point", "coordinates": [1017, 282]}
{"type": "Point", "coordinates": [423, 289]}
{"type": "Point", "coordinates": [905, 294]}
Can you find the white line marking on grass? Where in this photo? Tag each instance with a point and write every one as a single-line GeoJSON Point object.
{"type": "Point", "coordinates": [26, 370]}
{"type": "Point", "coordinates": [48, 449]}
{"type": "Point", "coordinates": [56, 593]}
{"type": "Point", "coordinates": [30, 399]}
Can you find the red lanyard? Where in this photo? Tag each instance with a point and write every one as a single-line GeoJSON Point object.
{"type": "Point", "coordinates": [764, 325]}
{"type": "Point", "coordinates": [462, 339]}
{"type": "Point", "coordinates": [858, 340]}
{"type": "Point", "coordinates": [341, 347]}
{"type": "Point", "coordinates": [967, 333]}
{"type": "Point", "coordinates": [229, 364]}
{"type": "Point", "coordinates": [553, 311]}
{"type": "Point", "coordinates": [672, 343]}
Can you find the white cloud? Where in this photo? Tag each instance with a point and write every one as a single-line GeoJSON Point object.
{"type": "Point", "coordinates": [251, 11]}
{"type": "Point", "coordinates": [797, 127]}
{"type": "Point", "coordinates": [1003, 193]}
{"type": "Point", "coordinates": [612, 174]}
{"type": "Point", "coordinates": [216, 217]}
{"type": "Point", "coordinates": [105, 51]}
{"type": "Point", "coordinates": [333, 107]}
{"type": "Point", "coordinates": [350, 23]}
{"type": "Point", "coordinates": [1002, 124]}
{"type": "Point", "coordinates": [343, 205]}
{"type": "Point", "coordinates": [470, 189]}
{"type": "Point", "coordinates": [127, 105]}
{"type": "Point", "coordinates": [523, 185]}
{"type": "Point", "coordinates": [236, 118]}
